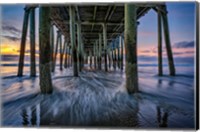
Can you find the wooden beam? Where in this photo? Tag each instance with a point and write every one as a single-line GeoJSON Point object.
{"type": "Point", "coordinates": [52, 47]}
{"type": "Point", "coordinates": [100, 50]}
{"type": "Point", "coordinates": [56, 50]}
{"type": "Point", "coordinates": [79, 46]}
{"type": "Point", "coordinates": [45, 48]}
{"type": "Point", "coordinates": [131, 48]}
{"type": "Point", "coordinates": [160, 72]}
{"type": "Point", "coordinates": [61, 53]}
{"type": "Point", "coordinates": [73, 40]}
{"type": "Point", "coordinates": [105, 45]}
{"type": "Point", "coordinates": [122, 54]}
{"type": "Point", "coordinates": [168, 43]}
{"type": "Point", "coordinates": [32, 42]}
{"type": "Point", "coordinates": [94, 16]}
{"type": "Point", "coordinates": [113, 10]}
{"type": "Point", "coordinates": [23, 43]}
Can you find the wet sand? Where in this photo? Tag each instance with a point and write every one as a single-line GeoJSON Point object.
{"type": "Point", "coordinates": [97, 98]}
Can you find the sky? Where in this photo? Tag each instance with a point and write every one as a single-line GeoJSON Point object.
{"type": "Point", "coordinates": [181, 18]}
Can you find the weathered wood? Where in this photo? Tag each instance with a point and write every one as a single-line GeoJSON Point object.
{"type": "Point", "coordinates": [73, 42]}
{"type": "Point", "coordinates": [100, 50]}
{"type": "Point", "coordinates": [45, 50]}
{"type": "Point", "coordinates": [79, 46]}
{"type": "Point", "coordinates": [160, 72]}
{"type": "Point", "coordinates": [121, 43]}
{"type": "Point", "coordinates": [52, 47]}
{"type": "Point", "coordinates": [115, 57]}
{"type": "Point", "coordinates": [94, 55]}
{"type": "Point", "coordinates": [118, 55]}
{"type": "Point", "coordinates": [61, 53]}
{"type": "Point", "coordinates": [131, 48]}
{"type": "Point", "coordinates": [105, 45]}
{"type": "Point", "coordinates": [90, 58]}
{"type": "Point", "coordinates": [112, 54]}
{"type": "Point", "coordinates": [109, 58]}
{"type": "Point", "coordinates": [168, 44]}
{"type": "Point", "coordinates": [66, 56]}
{"type": "Point", "coordinates": [32, 42]}
{"type": "Point", "coordinates": [23, 43]}
{"type": "Point", "coordinates": [56, 50]}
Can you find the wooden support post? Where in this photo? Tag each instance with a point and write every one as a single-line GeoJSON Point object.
{"type": "Point", "coordinates": [61, 53]}
{"type": "Point", "coordinates": [109, 58]}
{"type": "Point", "coordinates": [52, 47]}
{"type": "Point", "coordinates": [32, 42]}
{"type": "Point", "coordinates": [97, 54]}
{"type": "Point", "coordinates": [118, 55]}
{"type": "Point", "coordinates": [115, 57]}
{"type": "Point", "coordinates": [131, 48]}
{"type": "Point", "coordinates": [100, 50]}
{"type": "Point", "coordinates": [112, 51]}
{"type": "Point", "coordinates": [56, 50]}
{"type": "Point", "coordinates": [23, 43]}
{"type": "Point", "coordinates": [90, 58]}
{"type": "Point", "coordinates": [79, 46]}
{"type": "Point", "coordinates": [168, 44]}
{"type": "Point", "coordinates": [45, 50]}
{"type": "Point", "coordinates": [160, 72]}
{"type": "Point", "coordinates": [94, 55]}
{"type": "Point", "coordinates": [105, 45]}
{"type": "Point", "coordinates": [121, 43]}
{"type": "Point", "coordinates": [69, 59]}
{"type": "Point", "coordinates": [66, 56]}
{"type": "Point", "coordinates": [73, 42]}
{"type": "Point", "coordinates": [82, 54]}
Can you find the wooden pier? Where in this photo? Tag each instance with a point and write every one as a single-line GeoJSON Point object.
{"type": "Point", "coordinates": [101, 35]}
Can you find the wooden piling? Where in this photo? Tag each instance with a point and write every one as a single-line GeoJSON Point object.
{"type": "Point", "coordinates": [90, 58]}
{"type": "Point", "coordinates": [160, 72]}
{"type": "Point", "coordinates": [105, 45]}
{"type": "Point", "coordinates": [23, 43]}
{"type": "Point", "coordinates": [118, 55]}
{"type": "Point", "coordinates": [32, 42]}
{"type": "Point", "coordinates": [109, 58]}
{"type": "Point", "coordinates": [167, 42]}
{"type": "Point", "coordinates": [79, 46]}
{"type": "Point", "coordinates": [120, 39]}
{"type": "Point", "coordinates": [94, 55]}
{"type": "Point", "coordinates": [56, 50]}
{"type": "Point", "coordinates": [61, 53]}
{"type": "Point", "coordinates": [73, 42]}
{"type": "Point", "coordinates": [100, 50]}
{"type": "Point", "coordinates": [115, 57]}
{"type": "Point", "coordinates": [66, 56]}
{"type": "Point", "coordinates": [52, 47]}
{"type": "Point", "coordinates": [45, 50]}
{"type": "Point", "coordinates": [131, 48]}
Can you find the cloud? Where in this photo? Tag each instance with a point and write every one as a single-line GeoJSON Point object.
{"type": "Point", "coordinates": [11, 38]}
{"type": "Point", "coordinates": [184, 44]}
{"type": "Point", "coordinates": [145, 51]}
{"type": "Point", "coordinates": [11, 29]}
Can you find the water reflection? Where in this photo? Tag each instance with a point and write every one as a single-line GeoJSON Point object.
{"type": "Point", "coordinates": [30, 116]}
{"type": "Point", "coordinates": [162, 119]}
{"type": "Point", "coordinates": [25, 121]}
{"type": "Point", "coordinates": [44, 114]}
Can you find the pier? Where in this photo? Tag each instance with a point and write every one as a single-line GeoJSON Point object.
{"type": "Point", "coordinates": [101, 35]}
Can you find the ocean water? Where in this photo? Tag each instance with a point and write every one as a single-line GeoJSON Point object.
{"type": "Point", "coordinates": [97, 98]}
